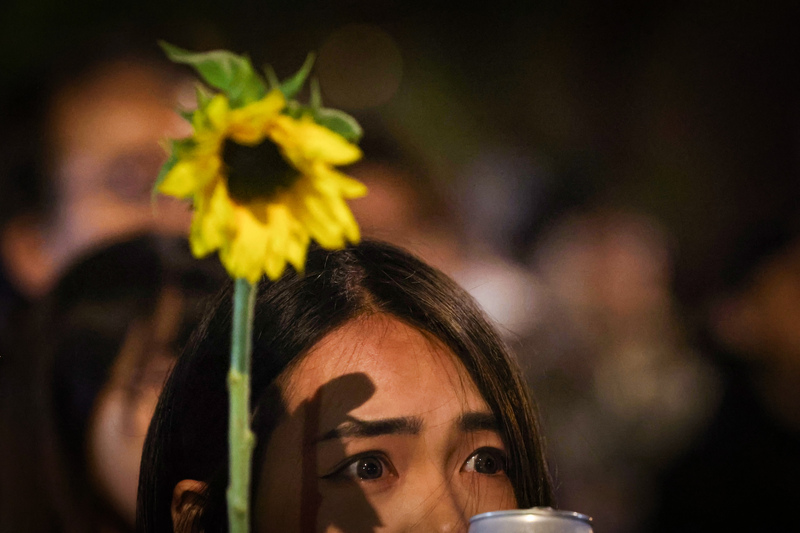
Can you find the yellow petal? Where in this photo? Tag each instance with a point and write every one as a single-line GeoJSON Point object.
{"type": "Point", "coordinates": [303, 140]}
{"type": "Point", "coordinates": [181, 180]}
{"type": "Point", "coordinates": [274, 265]}
{"type": "Point", "coordinates": [294, 240]}
{"type": "Point", "coordinates": [248, 124]}
{"type": "Point", "coordinates": [212, 225]}
{"type": "Point", "coordinates": [217, 112]}
{"type": "Point", "coordinates": [296, 250]}
{"type": "Point", "coordinates": [331, 182]}
{"type": "Point", "coordinates": [344, 217]}
{"type": "Point", "coordinates": [245, 255]}
{"type": "Point", "coordinates": [321, 226]}
{"type": "Point", "coordinates": [190, 175]}
{"type": "Point", "coordinates": [288, 241]}
{"type": "Point", "coordinates": [208, 143]}
{"type": "Point", "coordinates": [279, 229]}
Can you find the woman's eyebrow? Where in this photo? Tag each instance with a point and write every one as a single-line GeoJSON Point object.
{"type": "Point", "coordinates": [354, 427]}
{"type": "Point", "coordinates": [477, 421]}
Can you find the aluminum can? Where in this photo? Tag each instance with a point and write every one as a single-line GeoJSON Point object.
{"type": "Point", "coordinates": [534, 520]}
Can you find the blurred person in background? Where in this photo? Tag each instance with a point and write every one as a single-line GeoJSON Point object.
{"type": "Point", "coordinates": [100, 347]}
{"type": "Point", "coordinates": [404, 206]}
{"type": "Point", "coordinates": [742, 470]}
{"type": "Point", "coordinates": [407, 207]}
{"type": "Point", "coordinates": [621, 390]}
{"type": "Point", "coordinates": [79, 153]}
{"type": "Point", "coordinates": [81, 150]}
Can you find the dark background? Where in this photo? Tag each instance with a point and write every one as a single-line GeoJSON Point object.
{"type": "Point", "coordinates": [688, 111]}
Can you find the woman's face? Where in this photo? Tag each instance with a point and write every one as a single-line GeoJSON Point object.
{"type": "Point", "coordinates": [384, 431]}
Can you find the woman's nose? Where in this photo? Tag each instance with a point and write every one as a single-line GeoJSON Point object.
{"type": "Point", "coordinates": [440, 511]}
{"type": "Point", "coordinates": [446, 516]}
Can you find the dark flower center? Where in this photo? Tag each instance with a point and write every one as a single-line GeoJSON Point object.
{"type": "Point", "coordinates": [256, 172]}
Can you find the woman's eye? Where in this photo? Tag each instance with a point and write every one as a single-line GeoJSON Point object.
{"type": "Point", "coordinates": [365, 468]}
{"type": "Point", "coordinates": [486, 461]}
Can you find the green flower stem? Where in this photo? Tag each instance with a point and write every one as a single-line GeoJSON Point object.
{"type": "Point", "coordinates": [240, 436]}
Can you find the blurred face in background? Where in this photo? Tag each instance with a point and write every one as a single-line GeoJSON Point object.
{"type": "Point", "coordinates": [761, 319]}
{"type": "Point", "coordinates": [125, 405]}
{"type": "Point", "coordinates": [106, 136]}
{"type": "Point", "coordinates": [105, 143]}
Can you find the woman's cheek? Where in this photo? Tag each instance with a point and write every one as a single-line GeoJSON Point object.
{"type": "Point", "coordinates": [349, 507]}
{"type": "Point", "coordinates": [484, 493]}
{"type": "Point", "coordinates": [280, 486]}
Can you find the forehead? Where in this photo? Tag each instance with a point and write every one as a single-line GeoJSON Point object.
{"type": "Point", "coordinates": [386, 367]}
{"type": "Point", "coordinates": [120, 104]}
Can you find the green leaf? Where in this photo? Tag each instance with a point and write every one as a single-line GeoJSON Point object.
{"type": "Point", "coordinates": [294, 109]}
{"type": "Point", "coordinates": [226, 71]}
{"type": "Point", "coordinates": [292, 86]}
{"type": "Point", "coordinates": [187, 114]}
{"type": "Point", "coordinates": [272, 78]}
{"type": "Point", "coordinates": [165, 168]}
{"type": "Point", "coordinates": [339, 122]}
{"type": "Point", "coordinates": [203, 96]}
{"type": "Point", "coordinates": [315, 102]}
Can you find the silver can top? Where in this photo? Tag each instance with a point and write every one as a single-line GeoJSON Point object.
{"type": "Point", "coordinates": [534, 520]}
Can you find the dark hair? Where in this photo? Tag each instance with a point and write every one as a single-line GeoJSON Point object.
{"type": "Point", "coordinates": [77, 334]}
{"type": "Point", "coordinates": [188, 434]}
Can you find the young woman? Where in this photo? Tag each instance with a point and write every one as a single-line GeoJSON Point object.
{"type": "Point", "coordinates": [382, 399]}
{"type": "Point", "coordinates": [86, 386]}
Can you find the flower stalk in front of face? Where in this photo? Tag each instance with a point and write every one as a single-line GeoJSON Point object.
{"type": "Point", "coordinates": [240, 437]}
{"type": "Point", "coordinates": [260, 171]}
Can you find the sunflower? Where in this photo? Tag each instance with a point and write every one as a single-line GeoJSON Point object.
{"type": "Point", "coordinates": [263, 183]}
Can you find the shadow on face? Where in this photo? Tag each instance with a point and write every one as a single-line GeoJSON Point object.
{"type": "Point", "coordinates": [356, 515]}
